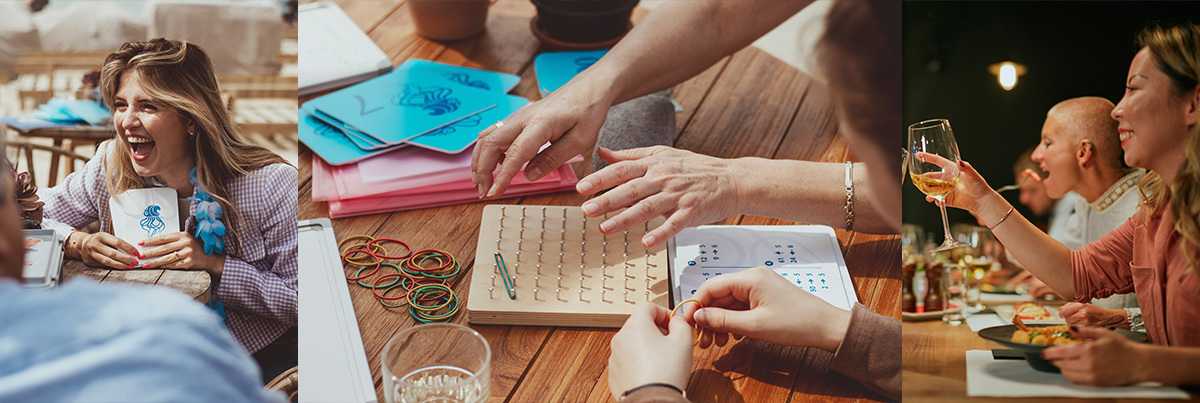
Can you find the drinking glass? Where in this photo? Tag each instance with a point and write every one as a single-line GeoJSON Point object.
{"type": "Point", "coordinates": [903, 165]}
{"type": "Point", "coordinates": [954, 287]}
{"type": "Point", "coordinates": [978, 257]}
{"type": "Point", "coordinates": [436, 363]}
{"type": "Point", "coordinates": [933, 167]}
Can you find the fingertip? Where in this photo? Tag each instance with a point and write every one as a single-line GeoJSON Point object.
{"type": "Point", "coordinates": [649, 240]}
{"type": "Point", "coordinates": [584, 187]}
{"type": "Point", "coordinates": [701, 317]}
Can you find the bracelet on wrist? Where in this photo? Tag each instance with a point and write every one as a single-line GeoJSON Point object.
{"type": "Point", "coordinates": [651, 385]}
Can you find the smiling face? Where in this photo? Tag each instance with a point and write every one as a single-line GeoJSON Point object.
{"type": "Point", "coordinates": [1153, 122]}
{"type": "Point", "coordinates": [1056, 155]}
{"type": "Point", "coordinates": [154, 133]}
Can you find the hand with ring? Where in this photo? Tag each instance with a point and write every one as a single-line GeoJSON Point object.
{"type": "Point", "coordinates": [180, 250]}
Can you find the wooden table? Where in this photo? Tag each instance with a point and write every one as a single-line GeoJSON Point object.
{"type": "Point", "coordinates": [193, 283]}
{"type": "Point", "coordinates": [68, 138]}
{"type": "Point", "coordinates": [749, 104]}
{"type": "Point", "coordinates": [935, 363]}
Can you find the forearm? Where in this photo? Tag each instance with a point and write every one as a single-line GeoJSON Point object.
{"type": "Point", "coordinates": [679, 40]}
{"type": "Point", "coordinates": [812, 192]}
{"type": "Point", "coordinates": [1168, 365]}
{"type": "Point", "coordinates": [1040, 254]}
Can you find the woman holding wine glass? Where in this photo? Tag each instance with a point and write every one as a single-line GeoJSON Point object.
{"type": "Point", "coordinates": [1156, 253]}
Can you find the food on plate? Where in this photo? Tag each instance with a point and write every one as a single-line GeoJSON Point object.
{"type": "Point", "coordinates": [1030, 310]}
{"type": "Point", "coordinates": [1049, 335]}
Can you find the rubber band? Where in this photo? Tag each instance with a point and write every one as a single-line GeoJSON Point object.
{"type": "Point", "coordinates": [432, 252]}
{"type": "Point", "coordinates": [405, 244]}
{"type": "Point", "coordinates": [347, 259]}
{"type": "Point", "coordinates": [372, 273]}
{"type": "Point", "coordinates": [697, 326]}
{"type": "Point", "coordinates": [508, 286]}
{"type": "Point", "coordinates": [403, 301]}
{"type": "Point", "coordinates": [457, 269]}
{"type": "Point", "coordinates": [413, 302]}
{"type": "Point", "coordinates": [375, 287]}
{"type": "Point", "coordinates": [364, 285]}
{"type": "Point", "coordinates": [417, 266]}
{"type": "Point", "coordinates": [424, 318]}
{"type": "Point", "coordinates": [342, 244]}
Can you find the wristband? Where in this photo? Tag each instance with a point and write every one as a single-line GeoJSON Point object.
{"type": "Point", "coordinates": [650, 385]}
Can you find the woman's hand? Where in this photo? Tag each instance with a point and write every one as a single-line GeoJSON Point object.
{"type": "Point", "coordinates": [972, 191]}
{"type": "Point", "coordinates": [652, 347]}
{"type": "Point", "coordinates": [688, 188]}
{"type": "Point", "coordinates": [1081, 314]}
{"type": "Point", "coordinates": [105, 250]}
{"type": "Point", "coordinates": [760, 303]}
{"type": "Point", "coordinates": [181, 251]}
{"type": "Point", "coordinates": [569, 119]}
{"type": "Point", "coordinates": [1105, 359]}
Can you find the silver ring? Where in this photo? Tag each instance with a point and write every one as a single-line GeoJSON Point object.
{"type": "Point", "coordinates": [499, 124]}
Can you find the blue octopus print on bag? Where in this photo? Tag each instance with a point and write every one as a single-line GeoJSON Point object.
{"type": "Point", "coordinates": [153, 224]}
{"type": "Point", "coordinates": [584, 62]}
{"type": "Point", "coordinates": [467, 122]}
{"type": "Point", "coordinates": [435, 100]}
{"type": "Point", "coordinates": [465, 79]}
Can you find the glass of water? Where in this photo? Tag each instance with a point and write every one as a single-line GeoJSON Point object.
{"type": "Point", "coordinates": [954, 288]}
{"type": "Point", "coordinates": [437, 363]}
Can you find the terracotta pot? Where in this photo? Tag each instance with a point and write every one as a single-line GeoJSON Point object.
{"type": "Point", "coordinates": [583, 21]}
{"type": "Point", "coordinates": [449, 20]}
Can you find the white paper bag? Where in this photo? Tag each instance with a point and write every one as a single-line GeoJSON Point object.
{"type": "Point", "coordinates": [138, 214]}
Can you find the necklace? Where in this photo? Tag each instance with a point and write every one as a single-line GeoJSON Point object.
{"type": "Point", "coordinates": [209, 227]}
{"type": "Point", "coordinates": [1117, 190]}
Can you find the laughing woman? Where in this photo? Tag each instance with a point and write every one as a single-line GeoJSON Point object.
{"type": "Point", "coordinates": [173, 131]}
{"type": "Point", "coordinates": [1156, 253]}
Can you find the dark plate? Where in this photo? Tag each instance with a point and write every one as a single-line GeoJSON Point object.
{"type": "Point", "coordinates": [1033, 352]}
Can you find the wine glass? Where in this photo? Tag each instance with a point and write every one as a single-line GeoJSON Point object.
{"type": "Point", "coordinates": [903, 165]}
{"type": "Point", "coordinates": [933, 167]}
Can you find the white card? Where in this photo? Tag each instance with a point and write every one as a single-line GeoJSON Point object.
{"type": "Point", "coordinates": [138, 214]}
{"type": "Point", "coordinates": [806, 255]}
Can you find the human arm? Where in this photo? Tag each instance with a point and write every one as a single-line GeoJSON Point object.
{"type": "Point", "coordinates": [652, 347]}
{"type": "Point", "coordinates": [79, 200]}
{"type": "Point", "coordinates": [761, 304]}
{"type": "Point", "coordinates": [692, 189]}
{"type": "Point", "coordinates": [262, 277]}
{"type": "Point", "coordinates": [1040, 254]}
{"type": "Point", "coordinates": [671, 44]}
{"type": "Point", "coordinates": [1109, 359]}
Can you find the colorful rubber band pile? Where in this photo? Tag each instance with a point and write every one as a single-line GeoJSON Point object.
{"type": "Point", "coordinates": [420, 279]}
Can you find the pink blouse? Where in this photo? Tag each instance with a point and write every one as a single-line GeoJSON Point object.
{"type": "Point", "coordinates": [1146, 259]}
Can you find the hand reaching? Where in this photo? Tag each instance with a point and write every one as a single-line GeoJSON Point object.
{"type": "Point", "coordinates": [688, 188]}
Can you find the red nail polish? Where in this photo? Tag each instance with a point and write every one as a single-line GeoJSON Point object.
{"type": "Point", "coordinates": [128, 267]}
{"type": "Point", "coordinates": [135, 262]}
{"type": "Point", "coordinates": [146, 266]}
{"type": "Point", "coordinates": [141, 243]}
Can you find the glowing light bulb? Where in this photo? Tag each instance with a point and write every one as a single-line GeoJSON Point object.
{"type": "Point", "coordinates": [1007, 76]}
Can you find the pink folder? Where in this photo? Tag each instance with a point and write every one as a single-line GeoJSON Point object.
{"type": "Point", "coordinates": [563, 179]}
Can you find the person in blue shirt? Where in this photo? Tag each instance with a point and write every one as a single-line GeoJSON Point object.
{"type": "Point", "coordinates": [89, 342]}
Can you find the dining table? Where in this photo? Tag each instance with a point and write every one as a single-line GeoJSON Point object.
{"type": "Point", "coordinates": [749, 104]}
{"type": "Point", "coordinates": [935, 364]}
{"type": "Point", "coordinates": [196, 284]}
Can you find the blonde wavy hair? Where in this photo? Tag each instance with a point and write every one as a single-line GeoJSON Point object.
{"type": "Point", "coordinates": [179, 75]}
{"type": "Point", "coordinates": [1178, 51]}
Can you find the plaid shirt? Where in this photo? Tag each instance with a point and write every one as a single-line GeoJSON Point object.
{"type": "Point", "coordinates": [259, 283]}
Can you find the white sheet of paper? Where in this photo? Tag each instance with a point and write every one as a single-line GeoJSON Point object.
{"type": "Point", "coordinates": [138, 214]}
{"type": "Point", "coordinates": [987, 376]}
{"type": "Point", "coordinates": [807, 255]}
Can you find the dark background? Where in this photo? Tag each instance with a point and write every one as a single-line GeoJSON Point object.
{"type": "Point", "coordinates": [1071, 49]}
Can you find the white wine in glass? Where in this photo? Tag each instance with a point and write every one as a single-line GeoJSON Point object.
{"type": "Point", "coordinates": [933, 167]}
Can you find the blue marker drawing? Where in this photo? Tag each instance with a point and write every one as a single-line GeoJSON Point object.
{"type": "Point", "coordinates": [435, 100]}
{"type": "Point", "coordinates": [465, 79]}
{"type": "Point", "coordinates": [467, 122]}
{"type": "Point", "coordinates": [587, 61]}
{"type": "Point", "coordinates": [153, 224]}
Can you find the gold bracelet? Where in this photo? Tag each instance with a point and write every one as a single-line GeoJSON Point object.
{"type": "Point", "coordinates": [1010, 210]}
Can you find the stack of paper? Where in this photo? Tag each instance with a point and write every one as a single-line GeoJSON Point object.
{"type": "Point", "coordinates": [362, 137]}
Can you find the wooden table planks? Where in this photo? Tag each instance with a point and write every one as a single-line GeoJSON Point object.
{"type": "Point", "coordinates": [196, 284]}
{"type": "Point", "coordinates": [935, 363]}
{"type": "Point", "coordinates": [748, 104]}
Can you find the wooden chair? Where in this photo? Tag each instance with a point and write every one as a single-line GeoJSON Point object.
{"type": "Point", "coordinates": [288, 382]}
{"type": "Point", "coordinates": [24, 150]}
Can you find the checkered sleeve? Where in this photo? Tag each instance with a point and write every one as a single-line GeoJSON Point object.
{"type": "Point", "coordinates": [77, 200]}
{"type": "Point", "coordinates": [259, 283]}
